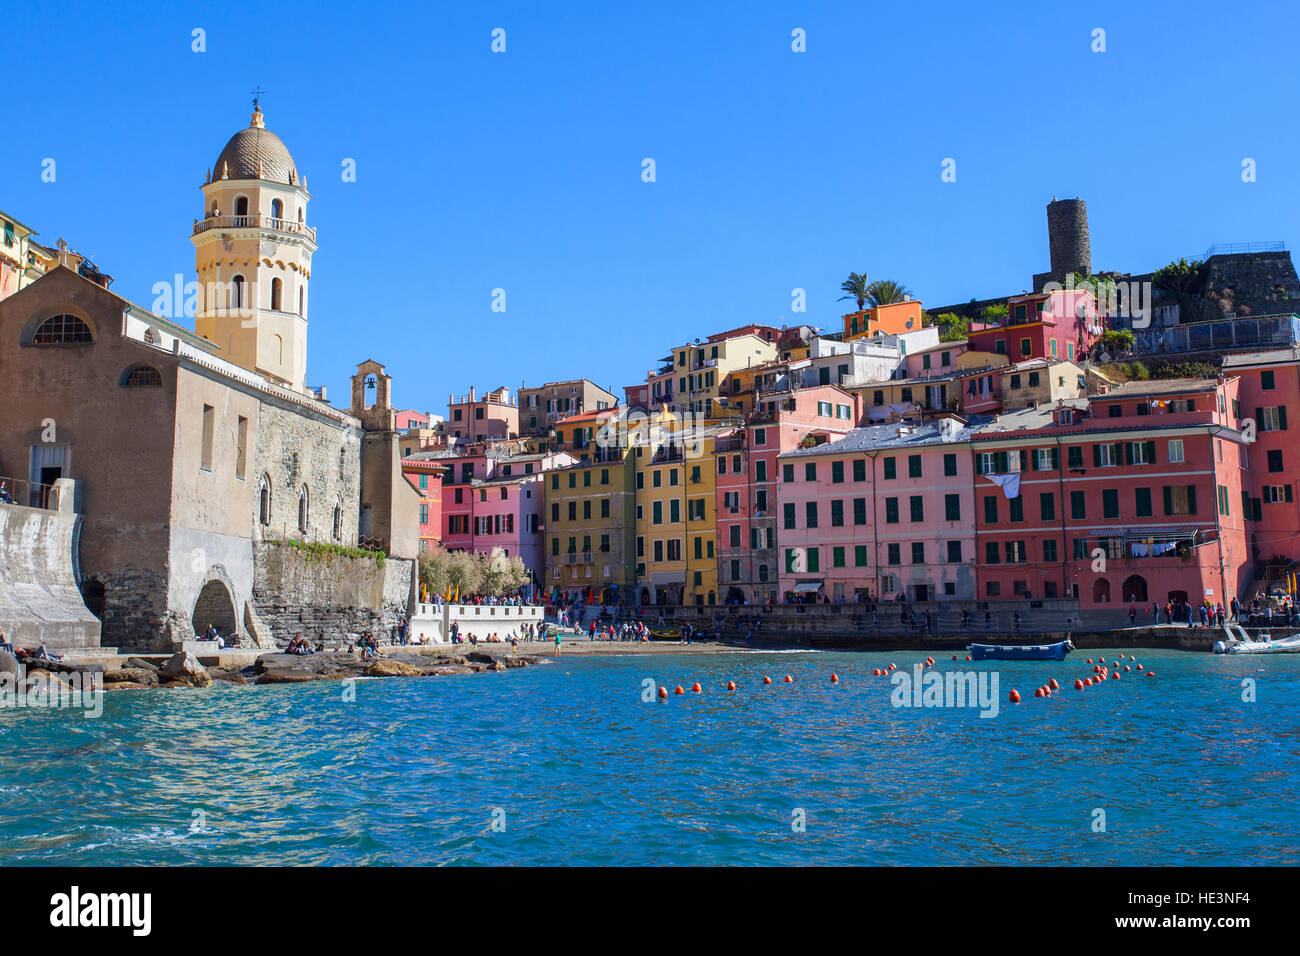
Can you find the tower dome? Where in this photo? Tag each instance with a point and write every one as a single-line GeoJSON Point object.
{"type": "Point", "coordinates": [256, 153]}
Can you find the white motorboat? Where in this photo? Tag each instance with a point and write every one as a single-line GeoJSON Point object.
{"type": "Point", "coordinates": [1239, 642]}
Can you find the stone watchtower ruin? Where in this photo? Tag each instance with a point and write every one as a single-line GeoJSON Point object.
{"type": "Point", "coordinates": [1068, 243]}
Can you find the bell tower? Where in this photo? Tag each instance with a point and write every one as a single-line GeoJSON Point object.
{"type": "Point", "coordinates": [252, 252]}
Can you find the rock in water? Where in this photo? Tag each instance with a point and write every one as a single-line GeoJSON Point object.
{"type": "Point", "coordinates": [184, 668]}
{"type": "Point", "coordinates": [9, 665]}
{"type": "Point", "coordinates": [142, 664]}
{"type": "Point", "coordinates": [131, 675]}
{"type": "Point", "coordinates": [384, 668]}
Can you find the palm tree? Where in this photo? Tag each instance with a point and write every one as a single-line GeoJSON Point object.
{"type": "Point", "coordinates": [856, 287]}
{"type": "Point", "coordinates": [886, 292]}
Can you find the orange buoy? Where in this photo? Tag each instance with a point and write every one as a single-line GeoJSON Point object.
{"type": "Point", "coordinates": [1038, 692]}
{"type": "Point", "coordinates": [1078, 684]}
{"type": "Point", "coordinates": [954, 657]}
{"type": "Point", "coordinates": [1139, 667]}
{"type": "Point", "coordinates": [893, 667]}
{"type": "Point", "coordinates": [1053, 685]}
{"type": "Point", "coordinates": [789, 679]}
{"type": "Point", "coordinates": [731, 685]}
{"type": "Point", "coordinates": [1090, 660]}
{"type": "Point", "coordinates": [1151, 673]}
{"type": "Point", "coordinates": [1087, 682]}
{"type": "Point", "coordinates": [967, 657]}
{"type": "Point", "coordinates": [1014, 697]}
{"type": "Point", "coordinates": [1047, 692]}
{"type": "Point", "coordinates": [1115, 676]}
{"type": "Point", "coordinates": [1127, 668]}
{"type": "Point", "coordinates": [679, 690]}
{"type": "Point", "coordinates": [1130, 657]}
{"type": "Point", "coordinates": [695, 688]}
{"type": "Point", "coordinates": [835, 678]}
{"type": "Point", "coordinates": [1101, 660]}
{"type": "Point", "coordinates": [767, 680]}
{"type": "Point", "coordinates": [663, 693]}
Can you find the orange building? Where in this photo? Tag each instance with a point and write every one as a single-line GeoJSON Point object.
{"type": "Point", "coordinates": [894, 318]}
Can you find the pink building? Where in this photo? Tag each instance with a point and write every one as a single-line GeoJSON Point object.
{"type": "Point", "coordinates": [884, 512]}
{"type": "Point", "coordinates": [746, 463]}
{"type": "Point", "coordinates": [493, 501]}
{"type": "Point", "coordinates": [1148, 474]}
{"type": "Point", "coordinates": [934, 360]}
{"type": "Point", "coordinates": [1269, 385]}
{"type": "Point", "coordinates": [495, 415]}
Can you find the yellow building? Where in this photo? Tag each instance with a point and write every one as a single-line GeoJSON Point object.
{"type": "Point", "coordinates": [700, 369]}
{"type": "Point", "coordinates": [676, 514]}
{"type": "Point", "coordinates": [587, 520]}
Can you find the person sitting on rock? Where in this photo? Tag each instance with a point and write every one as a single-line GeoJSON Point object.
{"type": "Point", "coordinates": [210, 634]}
{"type": "Point", "coordinates": [4, 494]}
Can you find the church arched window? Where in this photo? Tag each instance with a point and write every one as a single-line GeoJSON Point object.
{"type": "Point", "coordinates": [277, 209]}
{"type": "Point", "coordinates": [338, 521]}
{"type": "Point", "coordinates": [237, 292]}
{"type": "Point", "coordinates": [304, 505]}
{"type": "Point", "coordinates": [277, 293]}
{"type": "Point", "coordinates": [141, 376]}
{"type": "Point", "coordinates": [264, 500]}
{"type": "Point", "coordinates": [241, 206]}
{"type": "Point", "coordinates": [62, 330]}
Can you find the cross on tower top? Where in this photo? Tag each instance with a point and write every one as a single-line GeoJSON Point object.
{"type": "Point", "coordinates": [256, 93]}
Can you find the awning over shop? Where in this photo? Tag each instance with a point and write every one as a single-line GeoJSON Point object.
{"type": "Point", "coordinates": [804, 587]}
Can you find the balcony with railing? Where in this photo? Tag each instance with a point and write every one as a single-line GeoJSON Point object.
{"type": "Point", "coordinates": [31, 494]}
{"type": "Point", "coordinates": [288, 226]}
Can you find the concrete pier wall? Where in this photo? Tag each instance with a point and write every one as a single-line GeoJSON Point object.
{"type": "Point", "coordinates": [40, 602]}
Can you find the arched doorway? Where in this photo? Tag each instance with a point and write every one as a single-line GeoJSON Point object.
{"type": "Point", "coordinates": [1101, 591]}
{"type": "Point", "coordinates": [215, 606]}
{"type": "Point", "coordinates": [92, 593]}
{"type": "Point", "coordinates": [735, 596]}
{"type": "Point", "coordinates": [1135, 588]}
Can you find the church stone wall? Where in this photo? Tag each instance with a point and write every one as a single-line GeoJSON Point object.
{"type": "Point", "coordinates": [328, 597]}
{"type": "Point", "coordinates": [297, 449]}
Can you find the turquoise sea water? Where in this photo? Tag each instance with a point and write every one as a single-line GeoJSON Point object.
{"type": "Point", "coordinates": [574, 768]}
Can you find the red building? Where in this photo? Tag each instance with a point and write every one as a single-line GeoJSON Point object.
{"type": "Point", "coordinates": [1046, 325]}
{"type": "Point", "coordinates": [1149, 474]}
{"type": "Point", "coordinates": [426, 475]}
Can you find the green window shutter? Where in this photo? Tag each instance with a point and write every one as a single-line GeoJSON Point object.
{"type": "Point", "coordinates": [1128, 453]}
{"type": "Point", "coordinates": [1033, 459]}
{"type": "Point", "coordinates": [1281, 417]}
{"type": "Point", "coordinates": [1191, 499]}
{"type": "Point", "coordinates": [1259, 418]}
{"type": "Point", "coordinates": [1150, 453]}
{"type": "Point", "coordinates": [1169, 499]}
{"type": "Point", "coordinates": [1056, 458]}
{"type": "Point", "coordinates": [1000, 462]}
{"type": "Point", "coordinates": [1096, 456]}
{"type": "Point", "coordinates": [1288, 494]}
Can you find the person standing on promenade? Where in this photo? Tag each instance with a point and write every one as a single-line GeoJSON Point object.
{"type": "Point", "coordinates": [557, 642]}
{"type": "Point", "coordinates": [1155, 614]}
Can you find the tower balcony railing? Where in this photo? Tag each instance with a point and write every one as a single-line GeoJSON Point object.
{"type": "Point", "coordinates": [255, 222]}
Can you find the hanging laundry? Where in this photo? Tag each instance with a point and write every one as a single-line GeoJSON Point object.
{"type": "Point", "coordinates": [1010, 484]}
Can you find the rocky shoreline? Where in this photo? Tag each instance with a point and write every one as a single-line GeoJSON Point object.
{"type": "Point", "coordinates": [184, 670]}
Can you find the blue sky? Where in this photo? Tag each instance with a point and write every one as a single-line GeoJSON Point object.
{"type": "Point", "coordinates": [775, 170]}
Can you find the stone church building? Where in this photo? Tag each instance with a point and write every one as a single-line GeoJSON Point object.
{"type": "Point", "coordinates": [191, 451]}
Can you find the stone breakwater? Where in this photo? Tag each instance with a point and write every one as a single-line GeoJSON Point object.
{"type": "Point", "coordinates": [184, 670]}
